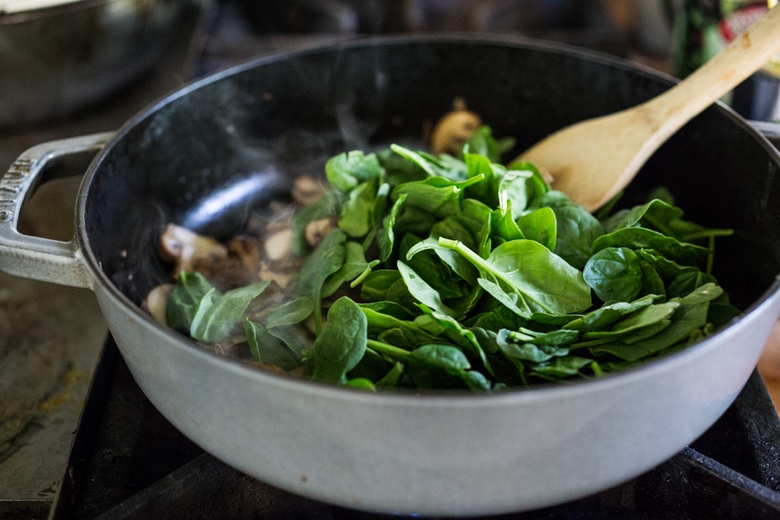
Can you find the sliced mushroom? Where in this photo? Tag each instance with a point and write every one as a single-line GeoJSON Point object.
{"type": "Point", "coordinates": [246, 249]}
{"type": "Point", "coordinates": [317, 229]}
{"type": "Point", "coordinates": [156, 302]}
{"type": "Point", "coordinates": [189, 250]}
{"type": "Point", "coordinates": [282, 279]}
{"type": "Point", "coordinates": [278, 245]}
{"type": "Point", "coordinates": [229, 273]}
{"type": "Point", "coordinates": [306, 190]}
{"type": "Point", "coordinates": [453, 130]}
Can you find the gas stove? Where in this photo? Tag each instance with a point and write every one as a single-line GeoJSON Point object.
{"type": "Point", "coordinates": [92, 445]}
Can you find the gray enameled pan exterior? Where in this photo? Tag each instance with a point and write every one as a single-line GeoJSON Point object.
{"type": "Point", "coordinates": [457, 454]}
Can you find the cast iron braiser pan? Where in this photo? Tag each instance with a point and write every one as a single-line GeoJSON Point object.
{"type": "Point", "coordinates": [263, 122]}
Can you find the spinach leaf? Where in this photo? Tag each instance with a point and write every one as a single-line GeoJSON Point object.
{"type": "Point", "coordinates": [399, 293]}
{"type": "Point", "coordinates": [378, 323]}
{"type": "Point", "coordinates": [471, 226]}
{"type": "Point", "coordinates": [389, 308]}
{"type": "Point", "coordinates": [540, 225]}
{"type": "Point", "coordinates": [354, 266]}
{"type": "Point", "coordinates": [422, 291]}
{"type": "Point", "coordinates": [687, 282]}
{"type": "Point", "coordinates": [217, 313]}
{"type": "Point", "coordinates": [479, 166]}
{"type": "Point", "coordinates": [430, 268]}
{"type": "Point", "coordinates": [666, 218]}
{"type": "Point", "coordinates": [356, 217]}
{"type": "Point", "coordinates": [643, 238]}
{"type": "Point", "coordinates": [556, 337]}
{"type": "Point", "coordinates": [482, 142]}
{"type": "Point", "coordinates": [444, 166]}
{"type": "Point", "coordinates": [290, 312]}
{"type": "Point", "coordinates": [341, 345]}
{"type": "Point", "coordinates": [398, 169]}
{"type": "Point", "coordinates": [280, 346]}
{"type": "Point", "coordinates": [436, 195]}
{"type": "Point", "coordinates": [528, 272]}
{"type": "Point", "coordinates": [503, 226]}
{"type": "Point", "coordinates": [536, 187]}
{"type": "Point", "coordinates": [494, 320]}
{"type": "Point", "coordinates": [183, 301]}
{"type": "Point", "coordinates": [329, 205]}
{"type": "Point", "coordinates": [512, 191]}
{"type": "Point", "coordinates": [614, 274]}
{"type": "Point", "coordinates": [393, 377]}
{"type": "Point", "coordinates": [323, 262]}
{"type": "Point", "coordinates": [375, 286]}
{"type": "Point", "coordinates": [576, 229]}
{"type": "Point", "coordinates": [451, 260]}
{"type": "Point", "coordinates": [441, 325]}
{"type": "Point", "coordinates": [361, 383]}
{"type": "Point", "coordinates": [372, 366]}
{"type": "Point", "coordinates": [632, 217]}
{"type": "Point", "coordinates": [560, 367]}
{"type": "Point", "coordinates": [688, 319]}
{"type": "Point", "coordinates": [386, 238]}
{"type": "Point", "coordinates": [377, 214]}
{"type": "Point", "coordinates": [345, 171]}
{"type": "Point", "coordinates": [441, 356]}
{"type": "Point", "coordinates": [530, 352]}
{"type": "Point", "coordinates": [644, 317]}
{"type": "Point", "coordinates": [652, 283]}
{"type": "Point", "coordinates": [608, 314]}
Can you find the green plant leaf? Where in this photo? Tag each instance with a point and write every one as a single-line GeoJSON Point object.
{"type": "Point", "coordinates": [421, 290]}
{"type": "Point", "coordinates": [614, 274]}
{"type": "Point", "coordinates": [184, 299]}
{"type": "Point", "coordinates": [526, 271]}
{"type": "Point", "coordinates": [346, 170]}
{"type": "Point", "coordinates": [356, 217]}
{"type": "Point", "coordinates": [441, 356]}
{"type": "Point", "coordinates": [354, 265]}
{"type": "Point", "coordinates": [218, 313]}
{"type": "Point", "coordinates": [282, 347]}
{"type": "Point", "coordinates": [323, 262]}
{"type": "Point", "coordinates": [341, 345]}
{"type": "Point", "coordinates": [290, 313]}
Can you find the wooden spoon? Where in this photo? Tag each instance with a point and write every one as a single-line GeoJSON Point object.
{"type": "Point", "coordinates": [593, 160]}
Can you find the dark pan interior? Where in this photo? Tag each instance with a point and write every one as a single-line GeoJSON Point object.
{"type": "Point", "coordinates": [207, 153]}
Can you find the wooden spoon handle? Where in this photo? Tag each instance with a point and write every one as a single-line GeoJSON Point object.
{"type": "Point", "coordinates": [743, 56]}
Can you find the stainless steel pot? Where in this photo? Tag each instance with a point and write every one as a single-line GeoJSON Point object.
{"type": "Point", "coordinates": [432, 454]}
{"type": "Point", "coordinates": [57, 59]}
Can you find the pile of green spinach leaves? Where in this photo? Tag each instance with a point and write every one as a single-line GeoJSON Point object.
{"type": "Point", "coordinates": [459, 272]}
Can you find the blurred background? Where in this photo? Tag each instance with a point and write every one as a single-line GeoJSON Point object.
{"type": "Point", "coordinates": [59, 58]}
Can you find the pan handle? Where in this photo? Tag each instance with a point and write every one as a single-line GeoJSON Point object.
{"type": "Point", "coordinates": [35, 257]}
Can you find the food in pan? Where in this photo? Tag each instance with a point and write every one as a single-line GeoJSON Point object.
{"type": "Point", "coordinates": [409, 269]}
